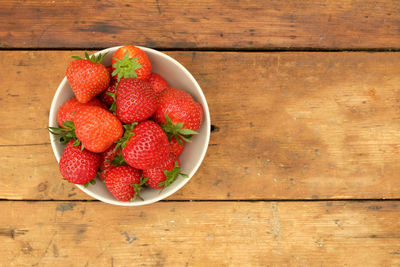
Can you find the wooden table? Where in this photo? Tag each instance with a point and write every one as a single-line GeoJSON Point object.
{"type": "Point", "coordinates": [303, 166]}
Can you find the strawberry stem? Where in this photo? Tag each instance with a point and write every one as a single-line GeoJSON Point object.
{"type": "Point", "coordinates": [93, 182]}
{"type": "Point", "coordinates": [92, 58]}
{"type": "Point", "coordinates": [65, 134]}
{"type": "Point", "coordinates": [125, 67]}
{"type": "Point", "coordinates": [137, 188]}
{"type": "Point", "coordinates": [118, 160]}
{"type": "Point", "coordinates": [170, 176]}
{"type": "Point", "coordinates": [177, 130]}
{"type": "Point", "coordinates": [114, 104]}
{"type": "Point", "coordinates": [127, 135]}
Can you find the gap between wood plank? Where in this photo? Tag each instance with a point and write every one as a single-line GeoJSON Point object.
{"type": "Point", "coordinates": [40, 144]}
{"type": "Point", "coordinates": [216, 49]}
{"type": "Point", "coordinates": [219, 200]}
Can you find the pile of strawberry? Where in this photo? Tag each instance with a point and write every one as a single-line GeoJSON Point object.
{"type": "Point", "coordinates": [125, 124]}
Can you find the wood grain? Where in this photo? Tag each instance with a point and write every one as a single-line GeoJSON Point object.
{"type": "Point", "coordinates": [287, 125]}
{"type": "Point", "coordinates": [226, 234]}
{"type": "Point", "coordinates": [233, 24]}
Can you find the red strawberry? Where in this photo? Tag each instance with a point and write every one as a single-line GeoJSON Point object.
{"type": "Point", "coordinates": [180, 107]}
{"type": "Point", "coordinates": [164, 174]}
{"type": "Point", "coordinates": [131, 62]}
{"type": "Point", "coordinates": [136, 100]}
{"type": "Point", "coordinates": [157, 82]}
{"type": "Point", "coordinates": [79, 166]}
{"type": "Point", "coordinates": [176, 147]}
{"type": "Point", "coordinates": [87, 77]}
{"type": "Point", "coordinates": [124, 182]}
{"type": "Point", "coordinates": [110, 158]}
{"type": "Point", "coordinates": [145, 146]}
{"type": "Point", "coordinates": [97, 128]}
{"type": "Point", "coordinates": [107, 99]}
{"type": "Point", "coordinates": [178, 113]}
{"type": "Point", "coordinates": [110, 70]}
{"type": "Point", "coordinates": [68, 110]}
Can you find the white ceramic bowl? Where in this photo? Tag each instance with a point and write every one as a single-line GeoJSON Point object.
{"type": "Point", "coordinates": [177, 76]}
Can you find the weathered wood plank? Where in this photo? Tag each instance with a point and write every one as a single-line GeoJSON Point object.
{"type": "Point", "coordinates": [199, 234]}
{"type": "Point", "coordinates": [287, 125]}
{"type": "Point", "coordinates": [232, 24]}
{"type": "Point", "coordinates": [31, 172]}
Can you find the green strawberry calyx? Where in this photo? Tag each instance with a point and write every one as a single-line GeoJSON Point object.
{"type": "Point", "coordinates": [92, 58]}
{"type": "Point", "coordinates": [93, 182]}
{"type": "Point", "coordinates": [118, 160]}
{"type": "Point", "coordinates": [137, 188]}
{"type": "Point", "coordinates": [114, 104]}
{"type": "Point", "coordinates": [127, 135]}
{"type": "Point", "coordinates": [125, 67]}
{"type": "Point", "coordinates": [170, 176]}
{"type": "Point", "coordinates": [177, 130]}
{"type": "Point", "coordinates": [66, 134]}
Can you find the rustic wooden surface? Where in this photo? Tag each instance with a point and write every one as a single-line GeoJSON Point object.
{"type": "Point", "coordinates": [233, 24]}
{"type": "Point", "coordinates": [226, 234]}
{"type": "Point", "coordinates": [303, 163]}
{"type": "Point", "coordinates": [290, 125]}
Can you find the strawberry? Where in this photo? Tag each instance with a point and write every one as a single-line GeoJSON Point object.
{"type": "Point", "coordinates": [105, 96]}
{"type": "Point", "coordinates": [87, 77]}
{"type": "Point", "coordinates": [176, 147]}
{"type": "Point", "coordinates": [157, 82]}
{"type": "Point", "coordinates": [110, 158]}
{"type": "Point", "coordinates": [78, 166]}
{"type": "Point", "coordinates": [164, 174]}
{"type": "Point", "coordinates": [144, 145]}
{"type": "Point", "coordinates": [136, 100]}
{"type": "Point", "coordinates": [97, 128]}
{"type": "Point", "coordinates": [68, 110]}
{"type": "Point", "coordinates": [110, 70]}
{"type": "Point", "coordinates": [124, 182]}
{"type": "Point", "coordinates": [178, 113]}
{"type": "Point", "coordinates": [130, 62]}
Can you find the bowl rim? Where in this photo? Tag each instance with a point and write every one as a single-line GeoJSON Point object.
{"type": "Point", "coordinates": [207, 124]}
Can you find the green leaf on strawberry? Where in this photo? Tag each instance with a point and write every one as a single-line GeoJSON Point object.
{"type": "Point", "coordinates": [92, 58]}
{"type": "Point", "coordinates": [172, 175]}
{"type": "Point", "coordinates": [65, 134]}
{"type": "Point", "coordinates": [172, 129]}
{"type": "Point", "coordinates": [127, 135]}
{"type": "Point", "coordinates": [118, 160]}
{"type": "Point", "coordinates": [138, 188]}
{"type": "Point", "coordinates": [125, 67]}
{"type": "Point", "coordinates": [114, 104]}
{"type": "Point", "coordinates": [92, 182]}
